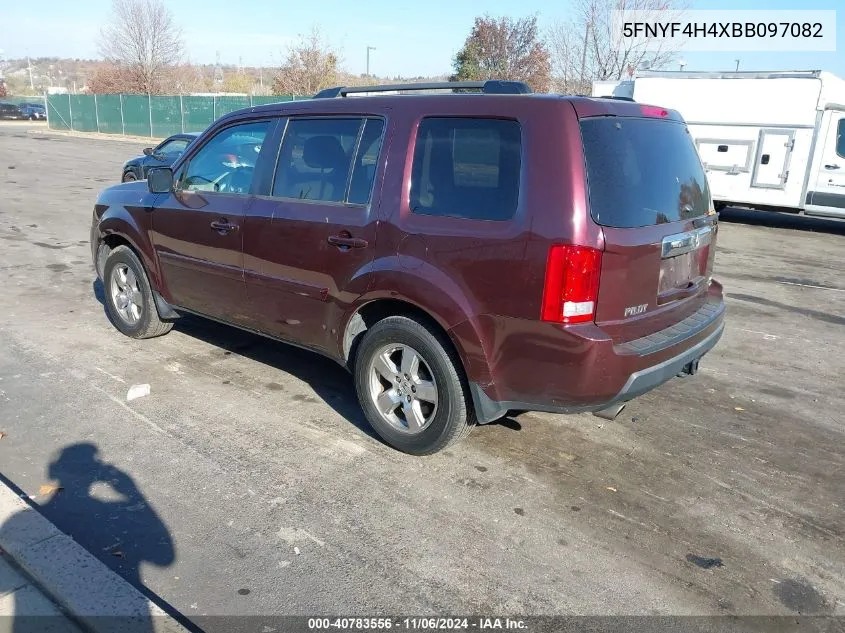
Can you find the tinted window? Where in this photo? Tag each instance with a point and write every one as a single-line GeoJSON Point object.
{"type": "Point", "coordinates": [176, 146]}
{"type": "Point", "coordinates": [642, 172]}
{"type": "Point", "coordinates": [366, 161]}
{"type": "Point", "coordinates": [466, 168]}
{"type": "Point", "coordinates": [316, 158]}
{"type": "Point", "coordinates": [840, 138]}
{"type": "Point", "coordinates": [226, 163]}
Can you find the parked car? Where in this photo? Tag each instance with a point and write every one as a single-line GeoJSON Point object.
{"type": "Point", "coordinates": [463, 255]}
{"type": "Point", "coordinates": [33, 111]}
{"type": "Point", "coordinates": [10, 111]}
{"type": "Point", "coordinates": [162, 155]}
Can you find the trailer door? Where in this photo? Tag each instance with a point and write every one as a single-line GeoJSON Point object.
{"type": "Point", "coordinates": [828, 195]}
{"type": "Point", "coordinates": [771, 166]}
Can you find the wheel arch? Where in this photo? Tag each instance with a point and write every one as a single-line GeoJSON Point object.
{"type": "Point", "coordinates": [465, 340]}
{"type": "Point", "coordinates": [121, 231]}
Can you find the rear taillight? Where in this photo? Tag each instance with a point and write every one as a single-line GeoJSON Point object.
{"type": "Point", "coordinates": [572, 284]}
{"type": "Point", "coordinates": [654, 111]}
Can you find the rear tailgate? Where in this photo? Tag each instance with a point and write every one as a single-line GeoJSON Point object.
{"type": "Point", "coordinates": [649, 193]}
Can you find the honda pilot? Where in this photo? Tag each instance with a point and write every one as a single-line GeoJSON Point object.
{"type": "Point", "coordinates": [464, 254]}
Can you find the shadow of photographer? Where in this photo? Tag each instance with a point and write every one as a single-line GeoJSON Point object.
{"type": "Point", "coordinates": [101, 508]}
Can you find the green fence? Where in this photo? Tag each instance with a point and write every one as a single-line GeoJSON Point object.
{"type": "Point", "coordinates": [142, 115]}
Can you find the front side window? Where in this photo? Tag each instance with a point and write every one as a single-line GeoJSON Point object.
{"type": "Point", "coordinates": [176, 146]}
{"type": "Point", "coordinates": [840, 138]}
{"type": "Point", "coordinates": [226, 163]}
{"type": "Point", "coordinates": [466, 168]}
{"type": "Point", "coordinates": [316, 159]}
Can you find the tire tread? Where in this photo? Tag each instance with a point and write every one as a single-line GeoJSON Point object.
{"type": "Point", "coordinates": [153, 326]}
{"type": "Point", "coordinates": [463, 419]}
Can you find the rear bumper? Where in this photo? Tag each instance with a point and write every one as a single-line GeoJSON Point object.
{"type": "Point", "coordinates": [647, 379]}
{"type": "Point", "coordinates": [637, 384]}
{"type": "Point", "coordinates": [593, 373]}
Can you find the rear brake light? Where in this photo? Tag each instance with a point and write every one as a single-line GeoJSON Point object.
{"type": "Point", "coordinates": [648, 110]}
{"type": "Point", "coordinates": [572, 284]}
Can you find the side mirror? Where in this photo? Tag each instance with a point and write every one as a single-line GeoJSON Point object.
{"type": "Point", "coordinates": [148, 151]}
{"type": "Point", "coordinates": [160, 180]}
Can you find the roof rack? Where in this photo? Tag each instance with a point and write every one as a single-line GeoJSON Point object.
{"type": "Point", "coordinates": [491, 86]}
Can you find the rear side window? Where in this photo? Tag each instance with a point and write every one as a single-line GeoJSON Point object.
{"type": "Point", "coordinates": [840, 138]}
{"type": "Point", "coordinates": [466, 168]}
{"type": "Point", "coordinates": [642, 172]}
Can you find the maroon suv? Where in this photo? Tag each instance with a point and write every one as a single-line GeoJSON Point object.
{"type": "Point", "coordinates": [463, 254]}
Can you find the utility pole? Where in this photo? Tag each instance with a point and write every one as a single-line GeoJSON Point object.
{"type": "Point", "coordinates": [369, 48]}
{"type": "Point", "coordinates": [218, 72]}
{"type": "Point", "coordinates": [29, 66]}
{"type": "Point", "coordinates": [584, 51]}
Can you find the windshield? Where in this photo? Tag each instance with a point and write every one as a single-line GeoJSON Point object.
{"type": "Point", "coordinates": [642, 172]}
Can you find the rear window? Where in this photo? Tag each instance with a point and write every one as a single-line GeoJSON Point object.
{"type": "Point", "coordinates": [642, 172]}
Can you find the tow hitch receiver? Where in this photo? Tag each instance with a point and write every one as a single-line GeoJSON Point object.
{"type": "Point", "coordinates": [690, 369]}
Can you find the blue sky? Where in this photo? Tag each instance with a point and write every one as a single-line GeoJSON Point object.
{"type": "Point", "coordinates": [417, 38]}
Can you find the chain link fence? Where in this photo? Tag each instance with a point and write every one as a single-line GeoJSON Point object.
{"type": "Point", "coordinates": [143, 115]}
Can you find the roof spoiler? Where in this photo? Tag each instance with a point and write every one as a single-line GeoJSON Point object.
{"type": "Point", "coordinates": [491, 86]}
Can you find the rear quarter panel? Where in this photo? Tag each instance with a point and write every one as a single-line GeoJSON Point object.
{"type": "Point", "coordinates": [483, 280]}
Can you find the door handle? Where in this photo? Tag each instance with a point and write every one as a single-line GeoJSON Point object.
{"type": "Point", "coordinates": [834, 166]}
{"type": "Point", "coordinates": [346, 241]}
{"type": "Point", "coordinates": [223, 227]}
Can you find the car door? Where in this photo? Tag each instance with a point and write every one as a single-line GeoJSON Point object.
{"type": "Point", "coordinates": [306, 243]}
{"type": "Point", "coordinates": [828, 195]}
{"type": "Point", "coordinates": [198, 227]}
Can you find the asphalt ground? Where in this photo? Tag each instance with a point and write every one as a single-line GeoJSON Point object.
{"type": "Point", "coordinates": [248, 482]}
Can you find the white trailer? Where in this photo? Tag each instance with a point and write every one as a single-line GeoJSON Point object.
{"type": "Point", "coordinates": [773, 140]}
{"type": "Point", "coordinates": [613, 88]}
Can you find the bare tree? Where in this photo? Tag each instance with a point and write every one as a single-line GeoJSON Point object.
{"type": "Point", "coordinates": [187, 77]}
{"type": "Point", "coordinates": [142, 40]}
{"type": "Point", "coordinates": [310, 66]}
{"type": "Point", "coordinates": [504, 49]}
{"type": "Point", "coordinates": [110, 79]}
{"type": "Point", "coordinates": [583, 48]}
{"type": "Point", "coordinates": [239, 82]}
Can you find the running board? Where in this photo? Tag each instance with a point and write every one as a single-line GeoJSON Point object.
{"type": "Point", "coordinates": [610, 412]}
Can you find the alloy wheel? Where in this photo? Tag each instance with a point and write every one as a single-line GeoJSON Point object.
{"type": "Point", "coordinates": [402, 388]}
{"type": "Point", "coordinates": [125, 294]}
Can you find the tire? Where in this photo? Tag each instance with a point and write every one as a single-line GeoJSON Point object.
{"type": "Point", "coordinates": [134, 314]}
{"type": "Point", "coordinates": [129, 177]}
{"type": "Point", "coordinates": [447, 419]}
